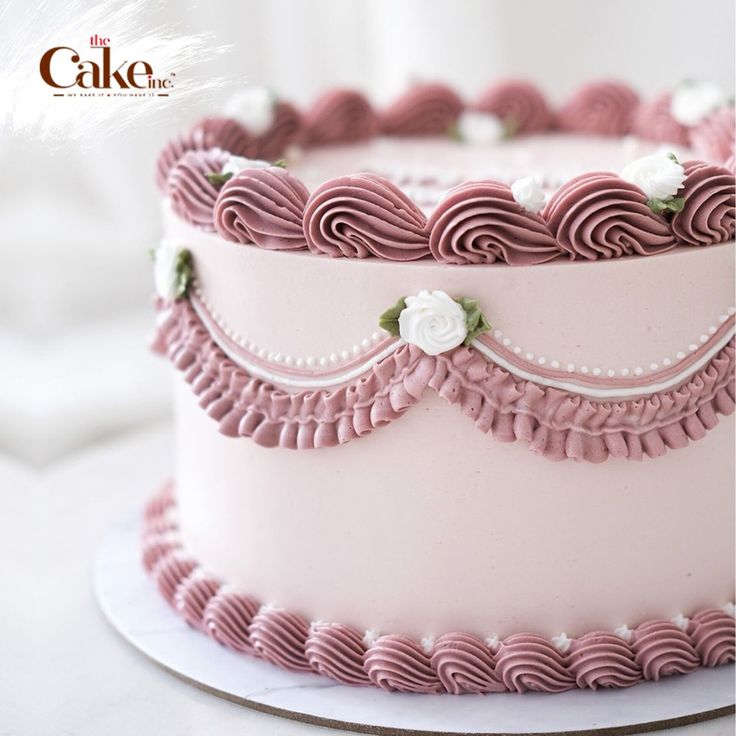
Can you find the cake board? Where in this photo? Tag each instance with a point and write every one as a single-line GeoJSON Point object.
{"type": "Point", "coordinates": [134, 607]}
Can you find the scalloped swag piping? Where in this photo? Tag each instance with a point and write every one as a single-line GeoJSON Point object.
{"type": "Point", "coordinates": [453, 663]}
{"type": "Point", "coordinates": [555, 423]}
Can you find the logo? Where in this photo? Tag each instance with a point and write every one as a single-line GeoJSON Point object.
{"type": "Point", "coordinates": [97, 74]}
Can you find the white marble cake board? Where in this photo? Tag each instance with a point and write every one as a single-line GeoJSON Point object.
{"type": "Point", "coordinates": [136, 609]}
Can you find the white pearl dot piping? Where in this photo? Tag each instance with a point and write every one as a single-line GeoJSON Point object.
{"type": "Point", "coordinates": [330, 360]}
{"type": "Point", "coordinates": [625, 372]}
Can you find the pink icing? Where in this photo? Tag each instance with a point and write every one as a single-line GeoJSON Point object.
{"type": "Point", "coordinates": [518, 103]}
{"type": "Point", "coordinates": [715, 137]}
{"type": "Point", "coordinates": [557, 424]}
{"type": "Point", "coordinates": [283, 131]}
{"type": "Point", "coordinates": [464, 664]}
{"type": "Point", "coordinates": [599, 215]}
{"type": "Point", "coordinates": [426, 109]}
{"type": "Point", "coordinates": [171, 153]}
{"type": "Point", "coordinates": [192, 196]}
{"type": "Point", "coordinates": [362, 215]}
{"type": "Point", "coordinates": [224, 133]}
{"type": "Point", "coordinates": [192, 595]}
{"type": "Point", "coordinates": [530, 662]}
{"type": "Point", "coordinates": [263, 207]}
{"type": "Point", "coordinates": [604, 108]}
{"type": "Point", "coordinates": [280, 637]}
{"type": "Point", "coordinates": [481, 222]}
{"type": "Point", "coordinates": [397, 663]}
{"type": "Point", "coordinates": [730, 163]}
{"type": "Point", "coordinates": [653, 121]}
{"type": "Point", "coordinates": [227, 618]}
{"type": "Point", "coordinates": [710, 205]}
{"type": "Point", "coordinates": [714, 637]}
{"type": "Point", "coordinates": [456, 663]}
{"type": "Point", "coordinates": [661, 649]}
{"type": "Point", "coordinates": [337, 651]}
{"type": "Point", "coordinates": [339, 116]}
{"type": "Point", "coordinates": [602, 659]}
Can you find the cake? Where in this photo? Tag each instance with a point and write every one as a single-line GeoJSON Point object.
{"type": "Point", "coordinates": [453, 386]}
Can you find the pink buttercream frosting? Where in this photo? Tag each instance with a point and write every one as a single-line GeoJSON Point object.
{"type": "Point", "coordinates": [710, 205]}
{"type": "Point", "coordinates": [264, 207]}
{"type": "Point", "coordinates": [653, 121]}
{"type": "Point", "coordinates": [285, 130]}
{"type": "Point", "coordinates": [557, 424]}
{"type": "Point", "coordinates": [661, 649]}
{"type": "Point", "coordinates": [520, 104]}
{"type": "Point", "coordinates": [224, 133]}
{"type": "Point", "coordinates": [339, 116]}
{"type": "Point", "coordinates": [603, 108]}
{"type": "Point", "coordinates": [191, 194]}
{"type": "Point", "coordinates": [602, 659]}
{"type": "Point", "coordinates": [363, 215]}
{"type": "Point", "coordinates": [465, 664]}
{"type": "Point", "coordinates": [530, 662]}
{"type": "Point", "coordinates": [397, 663]}
{"type": "Point", "coordinates": [599, 215]}
{"type": "Point", "coordinates": [481, 222]}
{"type": "Point", "coordinates": [713, 635]}
{"type": "Point", "coordinates": [715, 137]}
{"type": "Point", "coordinates": [425, 109]}
{"type": "Point", "coordinates": [454, 663]}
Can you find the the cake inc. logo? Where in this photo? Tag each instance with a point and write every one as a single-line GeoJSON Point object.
{"type": "Point", "coordinates": [96, 73]}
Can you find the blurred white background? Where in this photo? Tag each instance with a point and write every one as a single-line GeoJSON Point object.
{"type": "Point", "coordinates": [77, 219]}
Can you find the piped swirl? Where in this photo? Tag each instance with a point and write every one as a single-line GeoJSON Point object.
{"type": "Point", "coordinates": [600, 108]}
{"type": "Point", "coordinates": [481, 222]}
{"type": "Point", "coordinates": [364, 215]}
{"type": "Point", "coordinates": [599, 215]}
{"type": "Point", "coordinates": [340, 116]}
{"type": "Point", "coordinates": [710, 205]}
{"type": "Point", "coordinates": [264, 207]}
{"type": "Point", "coordinates": [425, 109]}
{"type": "Point", "coordinates": [520, 104]}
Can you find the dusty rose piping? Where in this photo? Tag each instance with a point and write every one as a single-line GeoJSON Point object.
{"type": "Point", "coordinates": [454, 663]}
{"type": "Point", "coordinates": [618, 224]}
{"type": "Point", "coordinates": [556, 424]}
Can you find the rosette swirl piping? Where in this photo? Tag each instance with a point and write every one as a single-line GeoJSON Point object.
{"type": "Point", "coordinates": [481, 222]}
{"type": "Point", "coordinates": [426, 109]}
{"type": "Point", "coordinates": [362, 215]}
{"type": "Point", "coordinates": [264, 207]}
{"type": "Point", "coordinates": [599, 215]}
{"type": "Point", "coordinates": [600, 108]}
{"type": "Point", "coordinates": [519, 104]}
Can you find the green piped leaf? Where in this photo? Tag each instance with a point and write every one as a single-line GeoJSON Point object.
{"type": "Point", "coordinates": [389, 320]}
{"type": "Point", "coordinates": [281, 163]}
{"type": "Point", "coordinates": [671, 156]}
{"type": "Point", "coordinates": [661, 206]}
{"type": "Point", "coordinates": [475, 320]}
{"type": "Point", "coordinates": [510, 126]}
{"type": "Point", "coordinates": [453, 131]}
{"type": "Point", "coordinates": [217, 179]}
{"type": "Point", "coordinates": [184, 268]}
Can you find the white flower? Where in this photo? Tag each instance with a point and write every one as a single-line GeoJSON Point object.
{"type": "Point", "coordinates": [561, 643]}
{"type": "Point", "coordinates": [252, 107]}
{"type": "Point", "coordinates": [433, 321]}
{"type": "Point", "coordinates": [657, 175]}
{"type": "Point", "coordinates": [693, 101]}
{"type": "Point", "coordinates": [236, 164]}
{"type": "Point", "coordinates": [480, 127]}
{"type": "Point", "coordinates": [165, 275]}
{"type": "Point", "coordinates": [528, 193]}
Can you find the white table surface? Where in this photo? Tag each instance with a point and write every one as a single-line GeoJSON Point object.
{"type": "Point", "coordinates": [63, 670]}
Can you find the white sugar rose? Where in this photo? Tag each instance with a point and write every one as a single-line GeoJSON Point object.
{"type": "Point", "coordinates": [252, 107]}
{"type": "Point", "coordinates": [171, 269]}
{"type": "Point", "coordinates": [480, 127]}
{"type": "Point", "coordinates": [236, 164]}
{"type": "Point", "coordinates": [528, 193]}
{"type": "Point", "coordinates": [693, 101]}
{"type": "Point", "coordinates": [658, 175]}
{"type": "Point", "coordinates": [433, 321]}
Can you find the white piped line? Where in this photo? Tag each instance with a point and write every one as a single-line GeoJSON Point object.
{"type": "Point", "coordinates": [600, 392]}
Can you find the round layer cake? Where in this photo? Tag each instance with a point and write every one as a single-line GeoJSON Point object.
{"type": "Point", "coordinates": [453, 385]}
